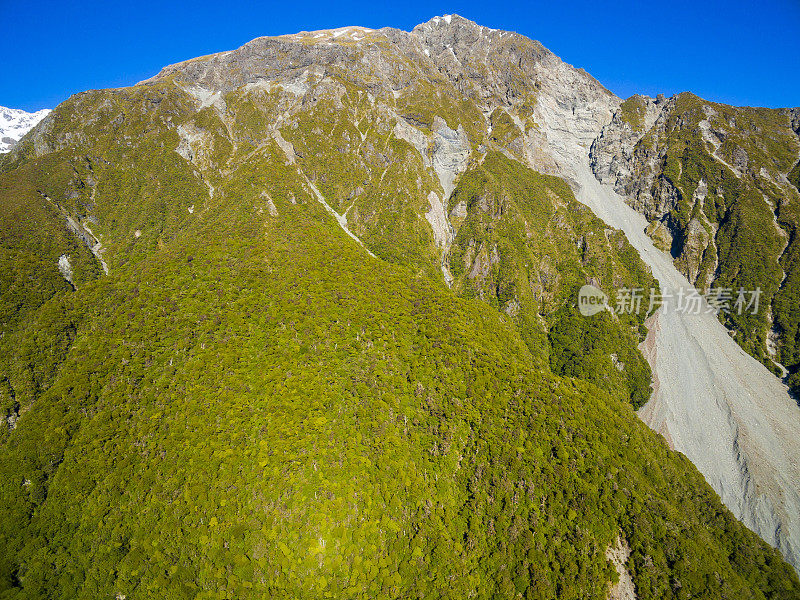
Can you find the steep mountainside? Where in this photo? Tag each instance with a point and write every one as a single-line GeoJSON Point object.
{"type": "Point", "coordinates": [715, 183]}
{"type": "Point", "coordinates": [298, 320]}
{"type": "Point", "coordinates": [15, 123]}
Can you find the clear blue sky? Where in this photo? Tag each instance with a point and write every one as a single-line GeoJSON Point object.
{"type": "Point", "coordinates": [736, 52]}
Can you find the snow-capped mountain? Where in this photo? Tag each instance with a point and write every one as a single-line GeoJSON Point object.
{"type": "Point", "coordinates": [14, 123]}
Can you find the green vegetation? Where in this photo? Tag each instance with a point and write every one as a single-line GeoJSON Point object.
{"type": "Point", "coordinates": [526, 246]}
{"type": "Point", "coordinates": [794, 176]}
{"type": "Point", "coordinates": [423, 101]}
{"type": "Point", "coordinates": [250, 406]}
{"type": "Point", "coordinates": [504, 130]}
{"type": "Point", "coordinates": [632, 112]}
{"type": "Point", "coordinates": [660, 235]}
{"type": "Point", "coordinates": [365, 172]}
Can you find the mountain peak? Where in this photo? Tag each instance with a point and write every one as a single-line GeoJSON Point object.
{"type": "Point", "coordinates": [354, 33]}
{"type": "Point", "coordinates": [318, 299]}
{"type": "Point", "coordinates": [445, 21]}
{"type": "Point", "coordinates": [15, 123]}
{"type": "Point", "coordinates": [451, 24]}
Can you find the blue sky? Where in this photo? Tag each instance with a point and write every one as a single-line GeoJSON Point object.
{"type": "Point", "coordinates": [735, 52]}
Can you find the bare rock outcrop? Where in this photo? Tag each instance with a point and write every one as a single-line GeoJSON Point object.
{"type": "Point", "coordinates": [618, 554]}
{"type": "Point", "coordinates": [611, 153]}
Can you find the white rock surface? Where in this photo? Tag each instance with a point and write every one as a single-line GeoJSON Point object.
{"type": "Point", "coordinates": [451, 150]}
{"type": "Point", "coordinates": [340, 219]}
{"type": "Point", "coordinates": [437, 217]}
{"type": "Point", "coordinates": [447, 151]}
{"type": "Point", "coordinates": [618, 554]}
{"type": "Point", "coordinates": [611, 153]}
{"type": "Point", "coordinates": [65, 268]}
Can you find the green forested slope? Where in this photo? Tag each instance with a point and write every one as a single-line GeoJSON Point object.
{"type": "Point", "coordinates": [526, 246]}
{"type": "Point", "coordinates": [269, 415]}
{"type": "Point", "coordinates": [249, 405]}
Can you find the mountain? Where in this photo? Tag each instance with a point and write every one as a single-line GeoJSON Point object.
{"type": "Point", "coordinates": [716, 182]}
{"type": "Point", "coordinates": [15, 123]}
{"type": "Point", "coordinates": [301, 320]}
{"type": "Point", "coordinates": [715, 185]}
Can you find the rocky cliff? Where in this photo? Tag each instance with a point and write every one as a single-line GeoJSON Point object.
{"type": "Point", "coordinates": [714, 182]}
{"type": "Point", "coordinates": [726, 412]}
{"type": "Point", "coordinates": [704, 172]}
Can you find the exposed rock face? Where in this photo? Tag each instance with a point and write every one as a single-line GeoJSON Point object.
{"type": "Point", "coordinates": [65, 268]}
{"type": "Point", "coordinates": [612, 152]}
{"type": "Point", "coordinates": [451, 152]}
{"type": "Point", "coordinates": [624, 589]}
{"type": "Point", "coordinates": [719, 185]}
{"type": "Point", "coordinates": [437, 217]}
{"type": "Point", "coordinates": [720, 407]}
{"type": "Point", "coordinates": [696, 241]}
{"type": "Point", "coordinates": [641, 166]}
{"type": "Point", "coordinates": [634, 171]}
{"type": "Point", "coordinates": [712, 401]}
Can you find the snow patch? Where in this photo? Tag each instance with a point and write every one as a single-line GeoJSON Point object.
{"type": "Point", "coordinates": [353, 32]}
{"type": "Point", "coordinates": [15, 123]}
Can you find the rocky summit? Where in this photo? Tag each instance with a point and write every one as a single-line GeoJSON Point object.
{"type": "Point", "coordinates": [301, 320]}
